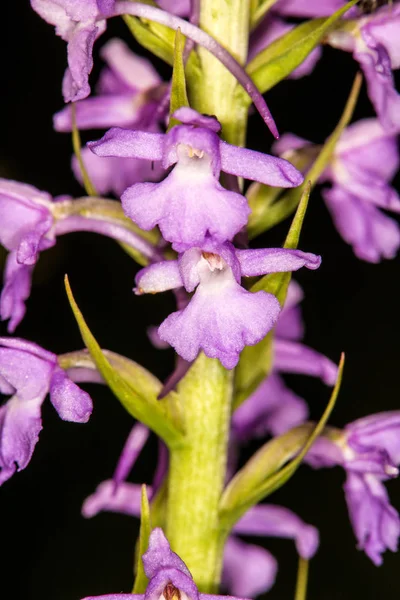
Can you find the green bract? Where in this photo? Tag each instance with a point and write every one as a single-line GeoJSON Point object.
{"type": "Point", "coordinates": [136, 388]}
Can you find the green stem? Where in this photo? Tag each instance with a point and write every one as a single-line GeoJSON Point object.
{"type": "Point", "coordinates": [197, 471]}
{"type": "Point", "coordinates": [302, 579]}
{"type": "Point", "coordinates": [216, 91]}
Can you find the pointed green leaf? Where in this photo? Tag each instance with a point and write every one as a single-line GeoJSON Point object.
{"type": "Point", "coordinates": [259, 10]}
{"type": "Point", "coordinates": [133, 387]}
{"type": "Point", "coordinates": [281, 209]}
{"type": "Point", "coordinates": [76, 144]}
{"type": "Point", "coordinates": [263, 473]}
{"type": "Point", "coordinates": [178, 86]}
{"type": "Point", "coordinates": [286, 53]}
{"type": "Point", "coordinates": [256, 361]}
{"type": "Point", "coordinates": [141, 580]}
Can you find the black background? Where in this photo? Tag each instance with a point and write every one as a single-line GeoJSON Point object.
{"type": "Point", "coordinates": [48, 550]}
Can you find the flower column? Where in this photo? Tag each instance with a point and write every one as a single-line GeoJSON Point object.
{"type": "Point", "coordinates": [197, 470]}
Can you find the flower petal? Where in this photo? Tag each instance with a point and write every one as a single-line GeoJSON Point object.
{"type": "Point", "coordinates": [126, 499]}
{"type": "Point", "coordinates": [272, 408]}
{"type": "Point", "coordinates": [17, 288]}
{"type": "Point", "coordinates": [248, 570]}
{"type": "Point", "coordinates": [292, 357]}
{"type": "Point", "coordinates": [131, 450]}
{"type": "Point", "coordinates": [260, 167]}
{"type": "Point", "coordinates": [220, 323]}
{"type": "Point", "coordinates": [158, 277]}
{"type": "Point", "coordinates": [129, 144]}
{"type": "Point", "coordinates": [275, 260]}
{"type": "Point", "coordinates": [71, 403]}
{"type": "Point", "coordinates": [277, 521]}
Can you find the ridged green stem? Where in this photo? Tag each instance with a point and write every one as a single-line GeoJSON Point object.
{"type": "Point", "coordinates": [197, 471]}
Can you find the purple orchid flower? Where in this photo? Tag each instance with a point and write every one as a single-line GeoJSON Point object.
{"type": "Point", "coordinates": [30, 221]}
{"type": "Point", "coordinates": [365, 160]}
{"type": "Point", "coordinates": [190, 203]}
{"type": "Point", "coordinates": [221, 317]}
{"type": "Point", "coordinates": [28, 373]}
{"type": "Point", "coordinates": [273, 408]}
{"type": "Point", "coordinates": [369, 450]}
{"type": "Point", "coordinates": [269, 30]}
{"type": "Point", "coordinates": [79, 24]}
{"type": "Point", "coordinates": [128, 94]}
{"type": "Point", "coordinates": [258, 566]}
{"type": "Point", "coordinates": [168, 575]}
{"type": "Point", "coordinates": [374, 43]}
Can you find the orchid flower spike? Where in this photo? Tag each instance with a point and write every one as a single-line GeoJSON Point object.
{"type": "Point", "coordinates": [221, 317]}
{"type": "Point", "coordinates": [28, 373]}
{"type": "Point", "coordinates": [190, 203]}
{"type": "Point", "coordinates": [365, 160]}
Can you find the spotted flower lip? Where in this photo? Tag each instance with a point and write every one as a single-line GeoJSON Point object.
{"type": "Point", "coordinates": [221, 317]}
{"type": "Point", "coordinates": [190, 204]}
{"type": "Point", "coordinates": [28, 373]}
{"type": "Point", "coordinates": [369, 451]}
{"type": "Point", "coordinates": [168, 575]}
{"type": "Point", "coordinates": [365, 160]}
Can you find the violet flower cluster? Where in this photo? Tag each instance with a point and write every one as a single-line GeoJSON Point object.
{"type": "Point", "coordinates": [182, 213]}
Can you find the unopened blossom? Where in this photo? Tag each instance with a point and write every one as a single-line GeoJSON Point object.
{"type": "Point", "coordinates": [369, 451]}
{"type": "Point", "coordinates": [190, 203]}
{"type": "Point", "coordinates": [168, 575]}
{"type": "Point", "coordinates": [364, 162]}
{"type": "Point", "coordinates": [373, 40]}
{"type": "Point", "coordinates": [128, 95]}
{"type": "Point", "coordinates": [30, 222]}
{"type": "Point", "coordinates": [258, 567]}
{"type": "Point", "coordinates": [221, 317]}
{"type": "Point", "coordinates": [28, 373]}
{"type": "Point", "coordinates": [274, 408]}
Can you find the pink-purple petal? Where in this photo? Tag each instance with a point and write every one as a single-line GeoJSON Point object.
{"type": "Point", "coordinates": [248, 570]}
{"type": "Point", "coordinates": [256, 166]}
{"type": "Point", "coordinates": [125, 143]}
{"type": "Point", "coordinates": [220, 323]}
{"type": "Point", "coordinates": [70, 402]}
{"type": "Point", "coordinates": [158, 277]}
{"type": "Point", "coordinates": [126, 499]}
{"type": "Point", "coordinates": [293, 357]}
{"type": "Point", "coordinates": [131, 450]}
{"type": "Point", "coordinates": [276, 521]}
{"type": "Point", "coordinates": [275, 260]}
